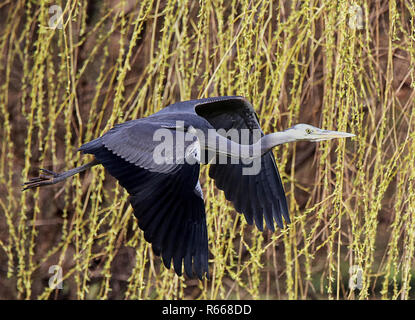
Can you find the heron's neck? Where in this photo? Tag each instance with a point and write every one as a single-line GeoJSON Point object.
{"type": "Point", "coordinates": [271, 140]}
{"type": "Point", "coordinates": [246, 151]}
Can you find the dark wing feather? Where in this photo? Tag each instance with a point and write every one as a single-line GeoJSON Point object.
{"type": "Point", "coordinates": [256, 196]}
{"type": "Point", "coordinates": [168, 206]}
{"type": "Point", "coordinates": [134, 141]}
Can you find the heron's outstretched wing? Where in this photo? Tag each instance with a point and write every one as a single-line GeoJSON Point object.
{"type": "Point", "coordinates": [169, 206]}
{"type": "Point", "coordinates": [156, 145]}
{"type": "Point", "coordinates": [256, 196]}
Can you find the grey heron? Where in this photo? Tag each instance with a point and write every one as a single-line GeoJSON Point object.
{"type": "Point", "coordinates": [167, 199]}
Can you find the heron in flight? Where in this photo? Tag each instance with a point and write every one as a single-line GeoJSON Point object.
{"type": "Point", "coordinates": [167, 198]}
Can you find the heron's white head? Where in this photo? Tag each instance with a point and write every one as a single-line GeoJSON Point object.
{"type": "Point", "coordinates": [306, 132]}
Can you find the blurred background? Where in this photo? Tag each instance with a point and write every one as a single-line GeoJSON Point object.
{"type": "Point", "coordinates": [70, 70]}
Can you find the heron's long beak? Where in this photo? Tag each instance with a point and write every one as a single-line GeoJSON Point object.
{"type": "Point", "coordinates": [328, 134]}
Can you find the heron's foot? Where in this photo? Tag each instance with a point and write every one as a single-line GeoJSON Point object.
{"type": "Point", "coordinates": [48, 177]}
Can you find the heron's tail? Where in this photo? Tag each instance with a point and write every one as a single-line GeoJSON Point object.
{"type": "Point", "coordinates": [91, 147]}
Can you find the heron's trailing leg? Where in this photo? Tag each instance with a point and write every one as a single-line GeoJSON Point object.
{"type": "Point", "coordinates": [49, 177]}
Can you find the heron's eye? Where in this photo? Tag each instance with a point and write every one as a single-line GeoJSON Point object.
{"type": "Point", "coordinates": [308, 131]}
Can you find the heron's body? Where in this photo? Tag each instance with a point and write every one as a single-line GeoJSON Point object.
{"type": "Point", "coordinates": [167, 198]}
